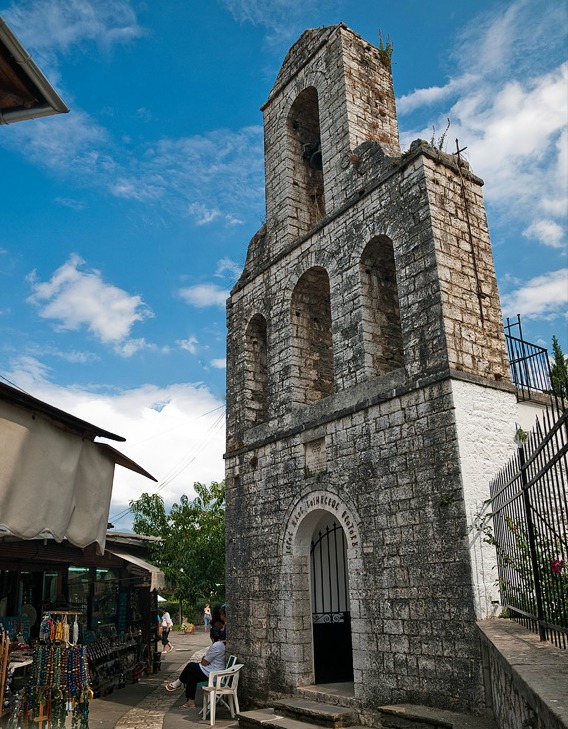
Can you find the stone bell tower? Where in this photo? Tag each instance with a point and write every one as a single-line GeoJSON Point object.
{"type": "Point", "coordinates": [368, 399]}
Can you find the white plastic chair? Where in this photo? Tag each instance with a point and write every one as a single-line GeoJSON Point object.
{"type": "Point", "coordinates": [222, 684]}
{"type": "Point", "coordinates": [231, 660]}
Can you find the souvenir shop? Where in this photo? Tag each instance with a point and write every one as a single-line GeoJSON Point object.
{"type": "Point", "coordinates": [73, 625]}
{"type": "Point", "coordinates": [78, 605]}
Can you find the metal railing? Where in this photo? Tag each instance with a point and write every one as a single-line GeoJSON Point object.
{"type": "Point", "coordinates": [530, 365]}
{"type": "Point", "coordinates": [529, 503]}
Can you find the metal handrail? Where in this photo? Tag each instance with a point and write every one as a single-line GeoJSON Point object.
{"type": "Point", "coordinates": [530, 364]}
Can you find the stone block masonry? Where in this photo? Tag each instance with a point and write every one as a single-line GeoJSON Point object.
{"type": "Point", "coordinates": [366, 320]}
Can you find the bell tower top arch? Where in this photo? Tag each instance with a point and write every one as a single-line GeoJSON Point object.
{"type": "Point", "coordinates": [334, 92]}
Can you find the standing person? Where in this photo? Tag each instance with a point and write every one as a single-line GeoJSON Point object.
{"type": "Point", "coordinates": [194, 673]}
{"type": "Point", "coordinates": [207, 617]}
{"type": "Point", "coordinates": [166, 627]}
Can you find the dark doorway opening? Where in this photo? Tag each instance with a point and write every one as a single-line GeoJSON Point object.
{"type": "Point", "coordinates": [331, 619]}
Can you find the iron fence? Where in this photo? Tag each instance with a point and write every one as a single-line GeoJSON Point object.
{"type": "Point", "coordinates": [529, 503]}
{"type": "Point", "coordinates": [530, 365]}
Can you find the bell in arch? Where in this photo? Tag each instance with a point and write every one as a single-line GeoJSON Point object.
{"type": "Point", "coordinates": [312, 154]}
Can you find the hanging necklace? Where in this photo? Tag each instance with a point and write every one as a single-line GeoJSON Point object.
{"type": "Point", "coordinates": [65, 630]}
{"type": "Point", "coordinates": [59, 631]}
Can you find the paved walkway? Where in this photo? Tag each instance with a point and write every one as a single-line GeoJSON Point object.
{"type": "Point", "coordinates": [147, 705]}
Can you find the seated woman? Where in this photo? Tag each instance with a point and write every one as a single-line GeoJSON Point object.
{"type": "Point", "coordinates": [219, 620]}
{"type": "Point", "coordinates": [194, 673]}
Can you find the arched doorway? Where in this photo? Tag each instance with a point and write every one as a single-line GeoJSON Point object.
{"type": "Point", "coordinates": [331, 616]}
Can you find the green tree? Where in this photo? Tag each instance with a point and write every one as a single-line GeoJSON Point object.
{"type": "Point", "coordinates": [192, 551]}
{"type": "Point", "coordinates": [559, 371]}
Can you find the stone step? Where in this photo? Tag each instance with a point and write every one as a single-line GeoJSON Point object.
{"type": "Point", "coordinates": [336, 694]}
{"type": "Point", "coordinates": [316, 712]}
{"type": "Point", "coordinates": [272, 719]}
{"type": "Point", "coordinates": [399, 716]}
{"type": "Point", "coordinates": [410, 716]}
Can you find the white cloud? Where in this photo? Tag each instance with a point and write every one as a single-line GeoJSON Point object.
{"type": "Point", "coordinates": [28, 371]}
{"type": "Point", "coordinates": [203, 295]}
{"type": "Point", "coordinates": [507, 37]}
{"type": "Point", "coordinates": [233, 220]}
{"type": "Point", "coordinates": [189, 344]}
{"type": "Point", "coordinates": [433, 95]}
{"type": "Point", "coordinates": [546, 231]}
{"type": "Point", "coordinates": [76, 298]}
{"type": "Point", "coordinates": [284, 19]}
{"type": "Point", "coordinates": [50, 28]}
{"type": "Point", "coordinates": [515, 143]}
{"type": "Point", "coordinates": [202, 214]}
{"type": "Point", "coordinates": [73, 356]}
{"type": "Point", "coordinates": [511, 119]}
{"type": "Point", "coordinates": [219, 364]}
{"type": "Point", "coordinates": [130, 189]}
{"type": "Point", "coordinates": [210, 177]}
{"type": "Point", "coordinates": [176, 432]}
{"type": "Point", "coordinates": [129, 347]}
{"type": "Point", "coordinates": [70, 203]}
{"type": "Point", "coordinates": [543, 297]}
{"type": "Point", "coordinates": [69, 143]}
{"type": "Point", "coordinates": [57, 25]}
{"type": "Point", "coordinates": [227, 267]}
{"type": "Point", "coordinates": [77, 357]}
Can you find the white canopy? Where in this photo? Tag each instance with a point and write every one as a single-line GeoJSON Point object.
{"type": "Point", "coordinates": [157, 577]}
{"type": "Point", "coordinates": [55, 481]}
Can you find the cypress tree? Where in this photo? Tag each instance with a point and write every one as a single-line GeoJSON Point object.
{"type": "Point", "coordinates": [559, 371]}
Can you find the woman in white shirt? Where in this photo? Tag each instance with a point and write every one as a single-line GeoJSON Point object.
{"type": "Point", "coordinates": [166, 627]}
{"type": "Point", "coordinates": [194, 673]}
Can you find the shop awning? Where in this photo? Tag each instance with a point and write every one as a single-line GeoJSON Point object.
{"type": "Point", "coordinates": [55, 480]}
{"type": "Point", "coordinates": [157, 577]}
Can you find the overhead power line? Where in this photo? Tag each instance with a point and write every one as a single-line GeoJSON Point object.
{"type": "Point", "coordinates": [185, 461]}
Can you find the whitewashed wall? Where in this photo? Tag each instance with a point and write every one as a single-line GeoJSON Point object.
{"type": "Point", "coordinates": [486, 422]}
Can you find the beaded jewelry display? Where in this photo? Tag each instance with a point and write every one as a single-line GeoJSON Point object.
{"type": "Point", "coordinates": [16, 719]}
{"type": "Point", "coordinates": [58, 683]}
{"type": "Point", "coordinates": [58, 712]}
{"type": "Point", "coordinates": [40, 666]}
{"type": "Point", "coordinates": [80, 716]}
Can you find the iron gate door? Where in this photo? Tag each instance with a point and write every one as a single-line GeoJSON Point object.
{"type": "Point", "coordinates": [333, 655]}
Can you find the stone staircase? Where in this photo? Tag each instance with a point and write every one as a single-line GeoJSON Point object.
{"type": "Point", "coordinates": [302, 713]}
{"type": "Point", "coordinates": [299, 714]}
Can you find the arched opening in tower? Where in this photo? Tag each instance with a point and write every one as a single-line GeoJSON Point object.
{"type": "Point", "coordinates": [382, 332]}
{"type": "Point", "coordinates": [306, 190]}
{"type": "Point", "coordinates": [312, 354]}
{"type": "Point", "coordinates": [256, 377]}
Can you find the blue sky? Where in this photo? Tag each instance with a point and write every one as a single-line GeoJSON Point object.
{"type": "Point", "coordinates": [125, 222]}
